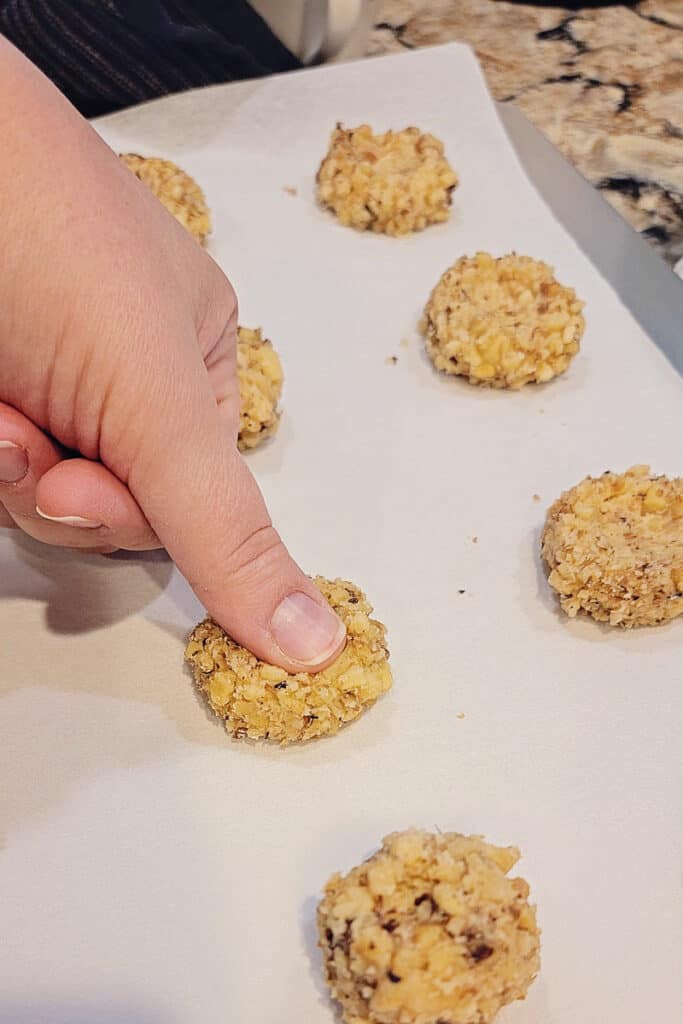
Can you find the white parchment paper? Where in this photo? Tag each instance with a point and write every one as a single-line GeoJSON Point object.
{"type": "Point", "coordinates": [154, 872]}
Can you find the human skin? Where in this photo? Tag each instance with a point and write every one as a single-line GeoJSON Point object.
{"type": "Point", "coordinates": [119, 402]}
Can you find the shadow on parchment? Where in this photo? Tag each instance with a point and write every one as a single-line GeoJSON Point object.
{"type": "Point", "coordinates": [72, 624]}
{"type": "Point", "coordinates": [309, 935]}
{"type": "Point", "coordinates": [58, 1011]}
{"type": "Point", "coordinates": [83, 592]}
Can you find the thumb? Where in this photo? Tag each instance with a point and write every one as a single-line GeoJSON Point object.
{"type": "Point", "coordinates": [207, 510]}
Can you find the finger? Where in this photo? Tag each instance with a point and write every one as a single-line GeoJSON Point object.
{"type": "Point", "coordinates": [26, 456]}
{"type": "Point", "coordinates": [207, 510]}
{"type": "Point", "coordinates": [26, 453]}
{"type": "Point", "coordinates": [85, 495]}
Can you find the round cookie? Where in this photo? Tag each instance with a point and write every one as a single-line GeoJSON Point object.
{"type": "Point", "coordinates": [502, 322]}
{"type": "Point", "coordinates": [259, 375]}
{"type": "Point", "coordinates": [394, 183]}
{"type": "Point", "coordinates": [180, 194]}
{"type": "Point", "coordinates": [429, 930]}
{"type": "Point", "coordinates": [614, 548]}
{"type": "Point", "coordinates": [262, 701]}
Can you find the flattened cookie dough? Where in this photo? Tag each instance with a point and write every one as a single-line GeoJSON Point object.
{"type": "Point", "coordinates": [429, 930]}
{"type": "Point", "coordinates": [180, 194]}
{"type": "Point", "coordinates": [259, 374]}
{"type": "Point", "coordinates": [394, 183]}
{"type": "Point", "coordinates": [261, 701]}
{"type": "Point", "coordinates": [502, 322]}
{"type": "Point", "coordinates": [614, 547]}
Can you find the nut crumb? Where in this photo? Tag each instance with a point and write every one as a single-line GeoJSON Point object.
{"type": "Point", "coordinates": [475, 540]}
{"type": "Point", "coordinates": [391, 360]}
{"type": "Point", "coordinates": [290, 190]}
{"type": "Point", "coordinates": [536, 497]}
{"type": "Point", "coordinates": [460, 714]}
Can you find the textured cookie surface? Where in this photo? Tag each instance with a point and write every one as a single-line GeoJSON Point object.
{"type": "Point", "coordinates": [262, 701]}
{"type": "Point", "coordinates": [429, 930]}
{"type": "Point", "coordinates": [502, 322]}
{"type": "Point", "coordinates": [180, 194]}
{"type": "Point", "coordinates": [614, 547]}
{"type": "Point", "coordinates": [394, 183]}
{"type": "Point", "coordinates": [259, 374]}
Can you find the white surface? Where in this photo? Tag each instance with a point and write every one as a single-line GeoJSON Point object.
{"type": "Point", "coordinates": [154, 872]}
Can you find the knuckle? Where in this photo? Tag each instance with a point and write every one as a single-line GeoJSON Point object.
{"type": "Point", "coordinates": [255, 556]}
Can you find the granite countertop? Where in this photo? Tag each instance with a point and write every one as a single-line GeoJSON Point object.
{"type": "Point", "coordinates": [604, 82]}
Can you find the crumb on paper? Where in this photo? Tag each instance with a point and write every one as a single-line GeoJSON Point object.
{"type": "Point", "coordinates": [395, 182]}
{"type": "Point", "coordinates": [261, 701]}
{"type": "Point", "coordinates": [429, 930]}
{"type": "Point", "coordinates": [613, 545]}
{"type": "Point", "coordinates": [461, 591]}
{"type": "Point", "coordinates": [404, 342]}
{"type": "Point", "coordinates": [536, 497]}
{"type": "Point", "coordinates": [460, 714]}
{"type": "Point", "coordinates": [291, 190]}
{"type": "Point", "coordinates": [475, 540]}
{"type": "Point", "coordinates": [391, 360]}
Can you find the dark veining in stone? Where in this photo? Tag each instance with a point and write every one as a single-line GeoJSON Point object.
{"type": "Point", "coordinates": [628, 186]}
{"type": "Point", "coordinates": [563, 33]}
{"type": "Point", "coordinates": [397, 32]}
{"type": "Point", "coordinates": [657, 234]}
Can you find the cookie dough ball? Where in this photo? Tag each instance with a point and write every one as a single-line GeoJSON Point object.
{"type": "Point", "coordinates": [429, 930]}
{"type": "Point", "coordinates": [614, 548]}
{"type": "Point", "coordinates": [502, 322]}
{"type": "Point", "coordinates": [259, 374]}
{"type": "Point", "coordinates": [179, 193]}
{"type": "Point", "coordinates": [262, 701]}
{"type": "Point", "coordinates": [394, 183]}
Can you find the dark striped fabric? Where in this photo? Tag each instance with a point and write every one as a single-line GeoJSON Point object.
{"type": "Point", "coordinates": [108, 54]}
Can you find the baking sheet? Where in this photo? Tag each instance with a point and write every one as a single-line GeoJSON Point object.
{"type": "Point", "coordinates": [154, 872]}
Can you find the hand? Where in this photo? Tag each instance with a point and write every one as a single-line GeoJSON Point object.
{"type": "Point", "coordinates": [118, 342]}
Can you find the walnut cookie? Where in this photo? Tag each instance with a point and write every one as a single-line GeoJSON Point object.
{"type": "Point", "coordinates": [179, 193]}
{"type": "Point", "coordinates": [502, 323]}
{"type": "Point", "coordinates": [259, 375]}
{"type": "Point", "coordinates": [429, 930]}
{"type": "Point", "coordinates": [392, 183]}
{"type": "Point", "coordinates": [614, 548]}
{"type": "Point", "coordinates": [263, 702]}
